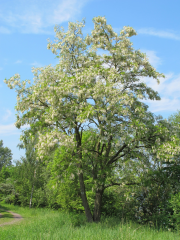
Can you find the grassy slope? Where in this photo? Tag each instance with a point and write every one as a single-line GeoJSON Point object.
{"type": "Point", "coordinates": [48, 224]}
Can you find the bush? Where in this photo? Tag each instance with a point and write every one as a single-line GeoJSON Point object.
{"type": "Point", "coordinates": [175, 203]}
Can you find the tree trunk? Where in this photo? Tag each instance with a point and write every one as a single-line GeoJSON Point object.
{"type": "Point", "coordinates": [30, 202]}
{"type": "Point", "coordinates": [97, 204]}
{"type": "Point", "coordinates": [81, 179]}
{"type": "Point", "coordinates": [32, 190]}
{"type": "Point", "coordinates": [84, 199]}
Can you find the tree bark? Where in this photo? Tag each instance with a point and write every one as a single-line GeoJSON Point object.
{"type": "Point", "coordinates": [97, 204]}
{"type": "Point", "coordinates": [81, 179]}
{"type": "Point", "coordinates": [30, 202]}
{"type": "Point", "coordinates": [84, 199]}
{"type": "Point", "coordinates": [32, 190]}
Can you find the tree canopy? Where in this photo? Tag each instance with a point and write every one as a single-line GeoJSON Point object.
{"type": "Point", "coordinates": [5, 155]}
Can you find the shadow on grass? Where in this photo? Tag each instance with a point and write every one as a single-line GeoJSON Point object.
{"type": "Point", "coordinates": [6, 215]}
{"type": "Point", "coordinates": [112, 222]}
{"type": "Point", "coordinates": [4, 208]}
{"type": "Point", "coordinates": [79, 220]}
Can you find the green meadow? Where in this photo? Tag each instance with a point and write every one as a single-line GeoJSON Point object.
{"type": "Point", "coordinates": [47, 224]}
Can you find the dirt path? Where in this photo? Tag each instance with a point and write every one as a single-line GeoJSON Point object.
{"type": "Point", "coordinates": [16, 217]}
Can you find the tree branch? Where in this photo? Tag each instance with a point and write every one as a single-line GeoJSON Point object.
{"type": "Point", "coordinates": [120, 184]}
{"type": "Point", "coordinates": [116, 155]}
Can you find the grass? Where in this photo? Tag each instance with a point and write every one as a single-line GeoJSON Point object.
{"type": "Point", "coordinates": [5, 216]}
{"type": "Point", "coordinates": [47, 224]}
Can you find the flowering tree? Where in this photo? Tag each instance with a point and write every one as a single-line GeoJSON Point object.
{"type": "Point", "coordinates": [91, 104]}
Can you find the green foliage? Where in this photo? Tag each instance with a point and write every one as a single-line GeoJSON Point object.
{"type": "Point", "coordinates": [5, 173]}
{"type": "Point", "coordinates": [175, 203]}
{"type": "Point", "coordinates": [5, 156]}
{"type": "Point", "coordinates": [64, 181]}
{"type": "Point", "coordinates": [8, 193]}
{"type": "Point", "coordinates": [110, 203]}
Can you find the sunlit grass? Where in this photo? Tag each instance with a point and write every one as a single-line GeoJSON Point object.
{"type": "Point", "coordinates": [48, 224]}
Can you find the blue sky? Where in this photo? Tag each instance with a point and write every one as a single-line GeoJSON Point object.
{"type": "Point", "coordinates": [25, 27]}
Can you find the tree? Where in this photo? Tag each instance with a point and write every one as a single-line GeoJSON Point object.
{"type": "Point", "coordinates": [5, 156]}
{"type": "Point", "coordinates": [91, 104]}
{"type": "Point", "coordinates": [172, 167]}
{"type": "Point", "coordinates": [30, 162]}
{"type": "Point", "coordinates": [31, 171]}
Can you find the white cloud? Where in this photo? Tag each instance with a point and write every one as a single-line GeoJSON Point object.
{"type": "Point", "coordinates": [9, 129]}
{"type": "Point", "coordinates": [36, 16]}
{"type": "Point", "coordinates": [4, 30]}
{"type": "Point", "coordinates": [7, 115]}
{"type": "Point", "coordinates": [165, 104]}
{"type": "Point", "coordinates": [18, 62]}
{"type": "Point", "coordinates": [169, 86]}
{"type": "Point", "coordinates": [168, 90]}
{"type": "Point", "coordinates": [154, 60]}
{"type": "Point", "coordinates": [36, 64]}
{"type": "Point", "coordinates": [163, 34]}
{"type": "Point", "coordinates": [65, 11]}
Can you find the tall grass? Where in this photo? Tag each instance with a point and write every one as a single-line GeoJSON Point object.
{"type": "Point", "coordinates": [48, 224]}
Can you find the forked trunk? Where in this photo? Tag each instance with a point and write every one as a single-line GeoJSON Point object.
{"type": "Point", "coordinates": [81, 179]}
{"type": "Point", "coordinates": [97, 205]}
{"type": "Point", "coordinates": [84, 199]}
